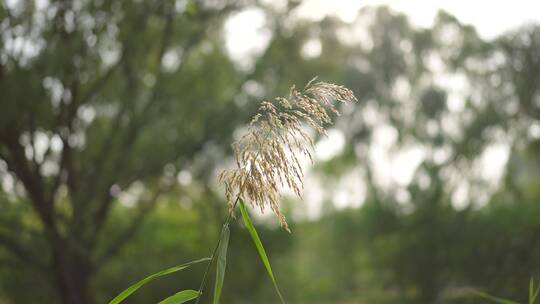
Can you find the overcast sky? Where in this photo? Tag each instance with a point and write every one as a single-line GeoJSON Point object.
{"type": "Point", "coordinates": [489, 17]}
{"type": "Point", "coordinates": [246, 33]}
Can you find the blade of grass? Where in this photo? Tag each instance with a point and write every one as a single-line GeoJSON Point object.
{"type": "Point", "coordinates": [531, 290]}
{"type": "Point", "coordinates": [533, 294]}
{"type": "Point", "coordinates": [492, 298]}
{"type": "Point", "coordinates": [221, 262]}
{"type": "Point", "coordinates": [131, 289]}
{"type": "Point", "coordinates": [259, 246]}
{"type": "Point", "coordinates": [203, 281]}
{"type": "Point", "coordinates": [181, 297]}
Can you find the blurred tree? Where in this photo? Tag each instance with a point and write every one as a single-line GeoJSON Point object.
{"type": "Point", "coordinates": [102, 100]}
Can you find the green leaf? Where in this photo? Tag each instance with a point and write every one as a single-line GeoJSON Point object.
{"type": "Point", "coordinates": [221, 262]}
{"type": "Point", "coordinates": [260, 248]}
{"type": "Point", "coordinates": [531, 290]}
{"type": "Point", "coordinates": [492, 298]}
{"type": "Point", "coordinates": [181, 297]}
{"type": "Point", "coordinates": [533, 294]}
{"type": "Point", "coordinates": [131, 289]}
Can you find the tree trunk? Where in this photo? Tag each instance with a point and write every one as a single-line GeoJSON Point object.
{"type": "Point", "coordinates": [72, 274]}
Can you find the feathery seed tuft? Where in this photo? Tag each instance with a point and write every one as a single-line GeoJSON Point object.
{"type": "Point", "coordinates": [267, 157]}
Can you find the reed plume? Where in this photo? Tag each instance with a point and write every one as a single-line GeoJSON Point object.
{"type": "Point", "coordinates": [267, 157]}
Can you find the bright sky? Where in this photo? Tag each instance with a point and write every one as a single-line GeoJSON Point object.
{"type": "Point", "coordinates": [489, 17]}
{"type": "Point", "coordinates": [247, 36]}
{"type": "Point", "coordinates": [246, 33]}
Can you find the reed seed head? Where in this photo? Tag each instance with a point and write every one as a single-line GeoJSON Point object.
{"type": "Point", "coordinates": [267, 157]}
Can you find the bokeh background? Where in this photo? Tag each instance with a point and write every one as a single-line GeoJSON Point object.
{"type": "Point", "coordinates": [115, 117]}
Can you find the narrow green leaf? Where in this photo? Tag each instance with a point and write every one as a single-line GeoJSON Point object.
{"type": "Point", "coordinates": [531, 290]}
{"type": "Point", "coordinates": [131, 289]}
{"type": "Point", "coordinates": [259, 246]}
{"type": "Point", "coordinates": [181, 297]}
{"type": "Point", "coordinates": [221, 262]}
{"type": "Point", "coordinates": [492, 298]}
{"type": "Point", "coordinates": [535, 295]}
{"type": "Point", "coordinates": [532, 298]}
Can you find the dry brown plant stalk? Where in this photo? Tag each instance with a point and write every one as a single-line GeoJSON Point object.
{"type": "Point", "coordinates": [267, 157]}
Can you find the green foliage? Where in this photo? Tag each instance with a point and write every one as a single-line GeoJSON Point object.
{"type": "Point", "coordinates": [533, 294]}
{"type": "Point", "coordinates": [131, 289]}
{"type": "Point", "coordinates": [181, 297]}
{"type": "Point", "coordinates": [492, 298]}
{"type": "Point", "coordinates": [221, 263]}
{"type": "Point", "coordinates": [259, 246]}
